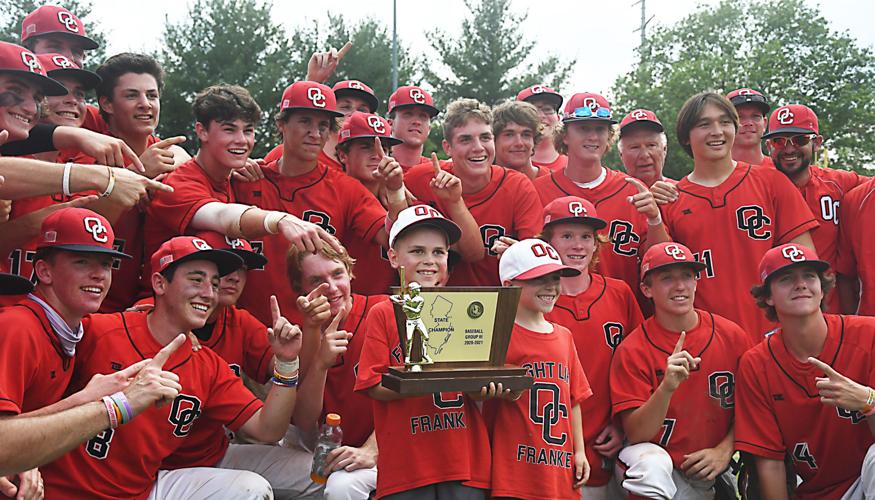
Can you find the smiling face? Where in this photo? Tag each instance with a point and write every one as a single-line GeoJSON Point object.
{"type": "Point", "coordinates": [751, 126]}
{"type": "Point", "coordinates": [228, 143]}
{"type": "Point", "coordinates": [576, 244]}
{"type": "Point", "coordinates": [68, 110]}
{"type": "Point", "coordinates": [423, 252]}
{"type": "Point", "coordinates": [317, 269]}
{"type": "Point", "coordinates": [796, 292]}
{"type": "Point", "coordinates": [587, 140]}
{"type": "Point", "coordinates": [672, 288]}
{"type": "Point", "coordinates": [411, 124]}
{"type": "Point", "coordinates": [792, 159]}
{"type": "Point", "coordinates": [19, 106]}
{"type": "Point", "coordinates": [538, 294]}
{"type": "Point", "coordinates": [135, 105]}
{"type": "Point", "coordinates": [514, 146]}
{"type": "Point", "coordinates": [712, 134]}
{"type": "Point", "coordinates": [78, 280]}
{"type": "Point", "coordinates": [190, 297]}
{"type": "Point", "coordinates": [471, 148]}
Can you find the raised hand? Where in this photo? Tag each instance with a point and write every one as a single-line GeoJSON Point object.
{"type": "Point", "coordinates": [322, 64]}
{"type": "Point", "coordinates": [314, 306]}
{"type": "Point", "coordinates": [158, 159]}
{"type": "Point", "coordinates": [389, 171]}
{"type": "Point", "coordinates": [152, 384]}
{"type": "Point", "coordinates": [104, 385]}
{"type": "Point", "coordinates": [284, 337]}
{"type": "Point", "coordinates": [643, 201]}
{"type": "Point", "coordinates": [837, 390]}
{"type": "Point", "coordinates": [446, 186]}
{"type": "Point", "coordinates": [664, 192]}
{"type": "Point", "coordinates": [334, 341]}
{"type": "Point", "coordinates": [679, 365]}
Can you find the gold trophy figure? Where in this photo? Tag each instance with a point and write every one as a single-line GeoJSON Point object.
{"type": "Point", "coordinates": [412, 303]}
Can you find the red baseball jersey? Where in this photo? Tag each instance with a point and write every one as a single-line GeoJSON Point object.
{"type": "Point", "coordinates": [436, 438]}
{"type": "Point", "coordinates": [241, 340]}
{"type": "Point", "coordinates": [627, 228]}
{"type": "Point", "coordinates": [323, 196]}
{"type": "Point", "coordinates": [532, 437]}
{"type": "Point", "coordinates": [169, 214]}
{"type": "Point", "coordinates": [323, 159]}
{"type": "Point", "coordinates": [701, 409]}
{"type": "Point", "coordinates": [94, 121]}
{"type": "Point", "coordinates": [373, 273]}
{"type": "Point", "coordinates": [779, 410]}
{"type": "Point", "coordinates": [556, 165]}
{"type": "Point", "coordinates": [731, 226]}
{"type": "Point", "coordinates": [340, 396]}
{"type": "Point", "coordinates": [507, 206]}
{"type": "Point", "coordinates": [34, 370]}
{"type": "Point", "coordinates": [857, 242]}
{"type": "Point", "coordinates": [598, 319]}
{"type": "Point", "coordinates": [128, 230]}
{"type": "Point", "coordinates": [124, 462]}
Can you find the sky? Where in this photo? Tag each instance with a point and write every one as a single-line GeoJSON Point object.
{"type": "Point", "coordinates": [599, 34]}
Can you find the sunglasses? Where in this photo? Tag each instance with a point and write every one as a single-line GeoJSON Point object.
{"type": "Point", "coordinates": [796, 140]}
{"type": "Point", "coordinates": [586, 112]}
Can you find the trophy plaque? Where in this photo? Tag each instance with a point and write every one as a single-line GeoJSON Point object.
{"type": "Point", "coordinates": [454, 339]}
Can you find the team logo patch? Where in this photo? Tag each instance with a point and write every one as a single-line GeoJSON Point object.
{"type": "Point", "coordinates": [375, 123]}
{"type": "Point", "coordinates": [548, 413]}
{"type": "Point", "coordinates": [675, 252]}
{"type": "Point", "coordinates": [793, 253]}
{"type": "Point", "coordinates": [721, 386]}
{"type": "Point", "coordinates": [68, 21]}
{"type": "Point", "coordinates": [538, 89]}
{"type": "Point", "coordinates": [316, 97]}
{"type": "Point", "coordinates": [185, 410]}
{"type": "Point", "coordinates": [62, 62]}
{"type": "Point", "coordinates": [624, 238]}
{"type": "Point", "coordinates": [752, 219]}
{"type": "Point", "coordinates": [576, 209]}
{"type": "Point", "coordinates": [590, 103]}
{"type": "Point", "coordinates": [613, 333]}
{"type": "Point", "coordinates": [639, 115]}
{"type": "Point", "coordinates": [745, 92]}
{"type": "Point", "coordinates": [98, 231]}
{"type": "Point", "coordinates": [489, 233]}
{"type": "Point", "coordinates": [200, 244]}
{"type": "Point", "coordinates": [785, 116]}
{"type": "Point", "coordinates": [31, 62]}
{"type": "Point", "coordinates": [355, 84]}
{"type": "Point", "coordinates": [417, 96]}
{"type": "Point", "coordinates": [233, 242]}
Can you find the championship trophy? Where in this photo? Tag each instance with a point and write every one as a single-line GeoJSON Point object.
{"type": "Point", "coordinates": [454, 339]}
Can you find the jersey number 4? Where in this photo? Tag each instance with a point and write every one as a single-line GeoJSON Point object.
{"type": "Point", "coordinates": [801, 453]}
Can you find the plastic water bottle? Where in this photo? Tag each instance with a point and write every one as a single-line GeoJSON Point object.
{"type": "Point", "coordinates": [330, 438]}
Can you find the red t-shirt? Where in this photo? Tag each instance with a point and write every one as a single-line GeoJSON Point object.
{"type": "Point", "coordinates": [240, 340]}
{"type": "Point", "coordinates": [779, 410]}
{"type": "Point", "coordinates": [34, 370]}
{"type": "Point", "coordinates": [701, 409]}
{"type": "Point", "coordinates": [323, 196]}
{"type": "Point", "coordinates": [170, 214]}
{"type": "Point", "coordinates": [431, 439]}
{"type": "Point", "coordinates": [556, 165]}
{"type": "Point", "coordinates": [124, 462]}
{"type": "Point", "coordinates": [730, 227]}
{"type": "Point", "coordinates": [627, 228]}
{"type": "Point", "coordinates": [598, 319]}
{"type": "Point", "coordinates": [857, 242]}
{"type": "Point", "coordinates": [507, 206]}
{"type": "Point", "coordinates": [533, 437]}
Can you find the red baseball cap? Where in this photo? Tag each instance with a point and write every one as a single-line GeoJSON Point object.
{"type": "Point", "coordinates": [668, 254]}
{"type": "Point", "coordinates": [643, 118]}
{"type": "Point", "coordinates": [185, 248]}
{"type": "Point", "coordinates": [749, 96]}
{"type": "Point", "coordinates": [78, 230]}
{"type": "Point", "coordinates": [530, 259]}
{"type": "Point", "coordinates": [423, 215]}
{"type": "Point", "coordinates": [310, 95]}
{"type": "Point", "coordinates": [23, 63]}
{"type": "Point", "coordinates": [355, 88]}
{"type": "Point", "coordinates": [786, 256]}
{"type": "Point", "coordinates": [54, 19]}
{"type": "Point", "coordinates": [572, 209]}
{"type": "Point", "coordinates": [792, 119]}
{"type": "Point", "coordinates": [411, 95]}
{"type": "Point", "coordinates": [58, 66]}
{"type": "Point", "coordinates": [541, 91]}
{"type": "Point", "coordinates": [13, 284]}
{"type": "Point", "coordinates": [238, 246]}
{"type": "Point", "coordinates": [587, 106]}
{"type": "Point", "coordinates": [367, 126]}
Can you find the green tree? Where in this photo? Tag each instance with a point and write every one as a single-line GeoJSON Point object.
{"type": "Point", "coordinates": [15, 10]}
{"type": "Point", "coordinates": [224, 41]}
{"type": "Point", "coordinates": [784, 48]}
{"type": "Point", "coordinates": [491, 59]}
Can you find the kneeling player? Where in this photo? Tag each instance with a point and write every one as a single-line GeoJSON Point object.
{"type": "Point", "coordinates": [779, 381]}
{"type": "Point", "coordinates": [677, 416]}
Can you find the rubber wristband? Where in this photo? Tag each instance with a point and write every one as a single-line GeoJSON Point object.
{"type": "Point", "coordinates": [291, 383]}
{"type": "Point", "coordinates": [65, 183]}
{"type": "Point", "coordinates": [869, 409]}
{"type": "Point", "coordinates": [110, 412]}
{"type": "Point", "coordinates": [109, 185]}
{"type": "Point", "coordinates": [122, 401]}
{"type": "Point", "coordinates": [286, 368]}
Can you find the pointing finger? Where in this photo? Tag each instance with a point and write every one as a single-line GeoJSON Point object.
{"type": "Point", "coordinates": [170, 141]}
{"type": "Point", "coordinates": [680, 345]}
{"type": "Point", "coordinates": [638, 184]}
{"type": "Point", "coordinates": [168, 350]}
{"type": "Point", "coordinates": [274, 309]}
{"type": "Point", "coordinates": [344, 50]}
{"type": "Point", "coordinates": [332, 327]}
{"type": "Point", "coordinates": [319, 290]}
{"type": "Point", "coordinates": [825, 367]}
{"type": "Point", "coordinates": [379, 147]}
{"type": "Point", "coordinates": [435, 163]}
{"type": "Point", "coordinates": [134, 368]}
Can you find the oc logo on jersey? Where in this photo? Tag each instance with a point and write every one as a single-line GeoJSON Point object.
{"type": "Point", "coordinates": [548, 414]}
{"type": "Point", "coordinates": [624, 238]}
{"type": "Point", "coordinates": [98, 231]}
{"type": "Point", "coordinates": [613, 333]}
{"type": "Point", "coordinates": [67, 20]}
{"type": "Point", "coordinates": [721, 386]}
{"type": "Point", "coordinates": [375, 123]}
{"type": "Point", "coordinates": [829, 209]}
{"type": "Point", "coordinates": [185, 410]}
{"type": "Point", "coordinates": [490, 234]}
{"type": "Point", "coordinates": [31, 62]}
{"type": "Point", "coordinates": [316, 97]}
{"type": "Point", "coordinates": [752, 219]}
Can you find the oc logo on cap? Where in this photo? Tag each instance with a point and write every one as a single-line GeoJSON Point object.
{"type": "Point", "coordinates": [61, 61]}
{"type": "Point", "coordinates": [355, 84]}
{"type": "Point", "coordinates": [417, 95]}
{"type": "Point", "coordinates": [785, 116]}
{"type": "Point", "coordinates": [538, 89]}
{"type": "Point", "coordinates": [233, 242]}
{"type": "Point", "coordinates": [200, 244]}
{"type": "Point", "coordinates": [316, 97]}
{"type": "Point", "coordinates": [576, 208]}
{"type": "Point", "coordinates": [793, 253]}
{"type": "Point", "coordinates": [68, 21]}
{"type": "Point", "coordinates": [375, 123]}
{"type": "Point", "coordinates": [95, 226]}
{"type": "Point", "coordinates": [639, 114]}
{"type": "Point", "coordinates": [675, 252]}
{"type": "Point", "coordinates": [544, 250]}
{"type": "Point", "coordinates": [590, 103]}
{"type": "Point", "coordinates": [31, 62]}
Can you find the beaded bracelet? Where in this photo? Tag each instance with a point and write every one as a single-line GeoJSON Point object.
{"type": "Point", "coordinates": [111, 412]}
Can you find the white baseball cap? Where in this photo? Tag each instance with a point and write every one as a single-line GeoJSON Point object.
{"type": "Point", "coordinates": [530, 259]}
{"type": "Point", "coordinates": [424, 214]}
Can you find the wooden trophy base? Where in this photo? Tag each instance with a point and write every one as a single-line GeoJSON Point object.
{"type": "Point", "coordinates": [440, 379]}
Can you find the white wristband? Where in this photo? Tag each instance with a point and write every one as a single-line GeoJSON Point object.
{"type": "Point", "coordinates": [110, 185]}
{"type": "Point", "coordinates": [286, 368]}
{"type": "Point", "coordinates": [655, 221]}
{"type": "Point", "coordinates": [394, 197]}
{"type": "Point", "coordinates": [273, 219]}
{"type": "Point", "coordinates": [65, 184]}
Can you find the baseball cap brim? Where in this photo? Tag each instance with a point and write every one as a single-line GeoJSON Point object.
{"type": "Point", "coordinates": [819, 265]}
{"type": "Point", "coordinates": [87, 43]}
{"type": "Point", "coordinates": [384, 139]}
{"type": "Point", "coordinates": [89, 80]}
{"type": "Point", "coordinates": [758, 101]}
{"type": "Point", "coordinates": [13, 284]}
{"type": "Point", "coordinates": [373, 102]}
{"type": "Point", "coordinates": [554, 99]}
{"type": "Point", "coordinates": [571, 119]}
{"type": "Point", "coordinates": [642, 124]}
{"type": "Point", "coordinates": [252, 260]}
{"type": "Point", "coordinates": [226, 261]}
{"type": "Point", "coordinates": [449, 227]}
{"type": "Point", "coordinates": [788, 130]}
{"type": "Point", "coordinates": [695, 264]}
{"type": "Point", "coordinates": [595, 222]}
{"type": "Point", "coordinates": [333, 113]}
{"type": "Point", "coordinates": [48, 86]}
{"type": "Point", "coordinates": [431, 110]}
{"type": "Point", "coordinates": [90, 249]}
{"type": "Point", "coordinates": [537, 272]}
